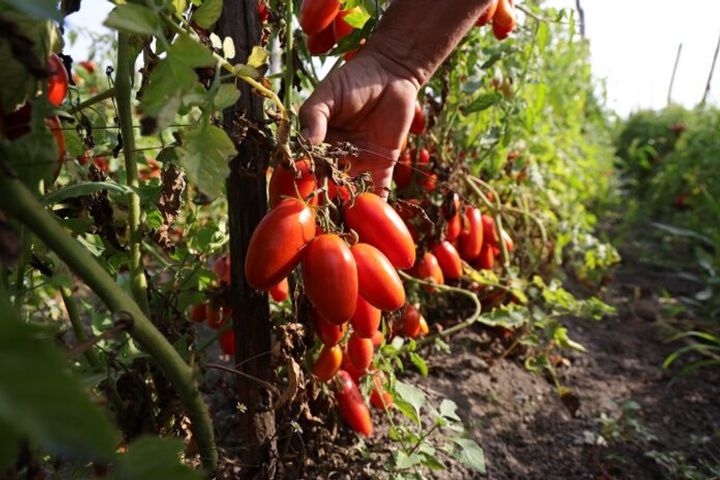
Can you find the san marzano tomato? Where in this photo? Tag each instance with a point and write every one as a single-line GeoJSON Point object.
{"type": "Point", "coordinates": [352, 406]}
{"type": "Point", "coordinates": [471, 237]}
{"type": "Point", "coordinates": [449, 260]}
{"type": "Point", "coordinates": [58, 81]}
{"type": "Point", "coordinates": [283, 183]}
{"type": "Point", "coordinates": [379, 282]}
{"type": "Point", "coordinates": [328, 363]}
{"type": "Point", "coordinates": [366, 319]}
{"type": "Point", "coordinates": [317, 15]}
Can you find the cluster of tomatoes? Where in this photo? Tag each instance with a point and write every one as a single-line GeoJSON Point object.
{"type": "Point", "coordinates": [502, 15]}
{"type": "Point", "coordinates": [324, 24]}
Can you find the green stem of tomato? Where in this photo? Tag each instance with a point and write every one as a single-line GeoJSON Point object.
{"type": "Point", "coordinates": [77, 326]}
{"type": "Point", "coordinates": [26, 243]}
{"type": "Point", "coordinates": [289, 71]}
{"type": "Point", "coordinates": [18, 201]}
{"type": "Point", "coordinates": [123, 85]}
{"type": "Point", "coordinates": [102, 96]}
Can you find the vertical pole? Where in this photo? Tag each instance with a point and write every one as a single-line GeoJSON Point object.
{"type": "Point", "coordinates": [247, 200]}
{"type": "Point", "coordinates": [581, 17]}
{"type": "Point", "coordinates": [710, 76]}
{"type": "Point", "coordinates": [672, 78]}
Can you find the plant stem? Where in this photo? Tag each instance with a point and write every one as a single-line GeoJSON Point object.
{"type": "Point", "coordinates": [20, 272]}
{"type": "Point", "coordinates": [123, 85]}
{"type": "Point", "coordinates": [289, 71]}
{"type": "Point", "coordinates": [77, 326]}
{"type": "Point", "coordinates": [17, 201]}
{"type": "Point", "coordinates": [109, 93]}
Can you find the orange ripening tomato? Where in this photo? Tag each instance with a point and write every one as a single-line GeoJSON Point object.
{"type": "Point", "coordinates": [403, 170]}
{"type": "Point", "coordinates": [449, 260]}
{"type": "Point", "coordinates": [379, 225]}
{"type": "Point", "coordinates": [360, 351]}
{"type": "Point", "coordinates": [221, 268]}
{"type": "Point", "coordinates": [366, 319]}
{"type": "Point", "coordinates": [428, 268]}
{"type": "Point", "coordinates": [411, 321]}
{"type": "Point", "coordinates": [489, 230]}
{"type": "Point", "coordinates": [227, 342]}
{"type": "Point", "coordinates": [277, 245]}
{"type": "Point", "coordinates": [352, 406]}
{"type": "Point", "coordinates": [58, 81]}
{"type": "Point", "coordinates": [471, 236]}
{"type": "Point", "coordinates": [328, 363]}
{"type": "Point", "coordinates": [379, 398]}
{"type": "Point", "coordinates": [329, 333]}
{"type": "Point", "coordinates": [321, 43]}
{"type": "Point", "coordinates": [317, 15]}
{"type": "Point", "coordinates": [330, 278]}
{"type": "Point", "coordinates": [340, 27]}
{"type": "Point", "coordinates": [487, 14]}
{"type": "Point", "coordinates": [377, 339]}
{"type": "Point", "coordinates": [486, 260]}
{"type": "Point", "coordinates": [504, 14]}
{"type": "Point", "coordinates": [417, 126]}
{"type": "Point", "coordinates": [280, 291]}
{"type": "Point", "coordinates": [198, 313]}
{"type": "Point", "coordinates": [378, 281]}
{"type": "Point", "coordinates": [424, 329]}
{"type": "Point", "coordinates": [283, 182]}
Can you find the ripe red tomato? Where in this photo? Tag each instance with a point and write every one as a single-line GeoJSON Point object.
{"type": "Point", "coordinates": [278, 243]}
{"type": "Point", "coordinates": [487, 14]}
{"type": "Point", "coordinates": [227, 342]}
{"type": "Point", "coordinates": [501, 32]}
{"type": "Point", "coordinates": [504, 14]}
{"type": "Point", "coordinates": [403, 170]}
{"type": "Point", "coordinates": [282, 183]}
{"type": "Point", "coordinates": [377, 339]}
{"type": "Point", "coordinates": [379, 398]}
{"type": "Point", "coordinates": [471, 237]}
{"type": "Point", "coordinates": [417, 126]}
{"type": "Point", "coordinates": [336, 191]}
{"type": "Point", "coordinates": [366, 319]}
{"type": "Point", "coordinates": [198, 313]}
{"type": "Point", "coordinates": [280, 291]}
{"type": "Point", "coordinates": [329, 333]}
{"type": "Point", "coordinates": [428, 268]}
{"type": "Point", "coordinates": [221, 268]}
{"type": "Point", "coordinates": [328, 363]}
{"type": "Point", "coordinates": [360, 351]}
{"type": "Point", "coordinates": [489, 230]}
{"type": "Point", "coordinates": [449, 260]}
{"type": "Point", "coordinates": [411, 321]}
{"type": "Point", "coordinates": [429, 182]}
{"type": "Point", "coordinates": [58, 81]}
{"type": "Point", "coordinates": [352, 406]}
{"type": "Point", "coordinates": [330, 278]}
{"type": "Point", "coordinates": [486, 260]}
{"type": "Point", "coordinates": [379, 225]}
{"type": "Point", "coordinates": [322, 42]}
{"type": "Point", "coordinates": [317, 15]}
{"type": "Point", "coordinates": [341, 28]}
{"type": "Point", "coordinates": [263, 12]}
{"type": "Point", "coordinates": [378, 281]}
{"type": "Point", "coordinates": [454, 227]}
{"type": "Point", "coordinates": [355, 373]}
{"type": "Point", "coordinates": [421, 158]}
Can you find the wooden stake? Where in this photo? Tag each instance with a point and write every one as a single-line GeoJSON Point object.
{"type": "Point", "coordinates": [672, 78]}
{"type": "Point", "coordinates": [710, 76]}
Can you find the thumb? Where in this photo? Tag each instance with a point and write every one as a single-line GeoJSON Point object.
{"type": "Point", "coordinates": [314, 116]}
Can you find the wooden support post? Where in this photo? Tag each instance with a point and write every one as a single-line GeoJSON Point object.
{"type": "Point", "coordinates": [247, 204]}
{"type": "Point", "coordinates": [672, 78]}
{"type": "Point", "coordinates": [710, 76]}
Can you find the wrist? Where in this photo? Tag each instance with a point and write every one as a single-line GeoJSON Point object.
{"type": "Point", "coordinates": [397, 58]}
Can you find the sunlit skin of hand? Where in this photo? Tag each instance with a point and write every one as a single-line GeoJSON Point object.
{"type": "Point", "coordinates": [370, 100]}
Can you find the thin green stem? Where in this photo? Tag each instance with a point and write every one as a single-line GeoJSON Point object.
{"type": "Point", "coordinates": [100, 97]}
{"type": "Point", "coordinates": [123, 85]}
{"type": "Point", "coordinates": [77, 326]}
{"type": "Point", "coordinates": [289, 70]}
{"type": "Point", "coordinates": [18, 201]}
{"type": "Point", "coordinates": [20, 272]}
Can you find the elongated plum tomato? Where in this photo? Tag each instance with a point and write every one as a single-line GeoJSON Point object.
{"type": "Point", "coordinates": [486, 259]}
{"type": "Point", "coordinates": [282, 183]}
{"type": "Point", "coordinates": [227, 342]}
{"type": "Point", "coordinates": [341, 28]}
{"type": "Point", "coordinates": [489, 230]}
{"type": "Point", "coordinates": [360, 351]}
{"type": "Point", "coordinates": [352, 406]}
{"type": "Point", "coordinates": [378, 281]}
{"type": "Point", "coordinates": [454, 227]}
{"type": "Point", "coordinates": [355, 373]}
{"type": "Point", "coordinates": [280, 291]}
{"type": "Point", "coordinates": [428, 268]}
{"type": "Point", "coordinates": [366, 319]}
{"type": "Point", "coordinates": [417, 126]}
{"type": "Point", "coordinates": [58, 81]}
{"type": "Point", "coordinates": [317, 15]}
{"type": "Point", "coordinates": [278, 243]}
{"type": "Point", "coordinates": [487, 14]}
{"type": "Point", "coordinates": [322, 42]}
{"type": "Point", "coordinates": [329, 333]}
{"type": "Point", "coordinates": [330, 278]}
{"type": "Point", "coordinates": [403, 170]}
{"type": "Point", "coordinates": [449, 260]}
{"type": "Point", "coordinates": [502, 32]}
{"type": "Point", "coordinates": [379, 398]}
{"type": "Point", "coordinates": [379, 225]}
{"type": "Point", "coordinates": [471, 236]}
{"type": "Point", "coordinates": [411, 321]}
{"type": "Point", "coordinates": [504, 14]}
{"type": "Point", "coordinates": [328, 363]}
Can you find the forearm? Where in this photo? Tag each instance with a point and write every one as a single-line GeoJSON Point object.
{"type": "Point", "coordinates": [415, 36]}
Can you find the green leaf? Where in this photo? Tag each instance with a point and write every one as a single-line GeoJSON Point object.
{"type": "Point", "coordinates": [85, 188]}
{"type": "Point", "coordinates": [419, 363]}
{"type": "Point", "coordinates": [9, 445]}
{"type": "Point", "coordinates": [208, 13]}
{"type": "Point", "coordinates": [133, 18]}
{"type": "Point", "coordinates": [471, 454]}
{"type": "Point", "coordinates": [38, 398]}
{"type": "Point", "coordinates": [180, 5]}
{"type": "Point", "coordinates": [226, 96]}
{"type": "Point", "coordinates": [39, 9]}
{"type": "Point", "coordinates": [448, 410]}
{"type": "Point", "coordinates": [483, 102]}
{"type": "Point", "coordinates": [204, 155]}
{"type": "Point", "coordinates": [151, 458]}
{"type": "Point", "coordinates": [357, 18]}
{"type": "Point", "coordinates": [258, 57]}
{"type": "Point", "coordinates": [412, 395]}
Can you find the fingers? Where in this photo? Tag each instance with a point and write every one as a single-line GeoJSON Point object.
{"type": "Point", "coordinates": [380, 162]}
{"type": "Point", "coordinates": [315, 114]}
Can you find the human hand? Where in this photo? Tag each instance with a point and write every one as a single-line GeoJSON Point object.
{"type": "Point", "coordinates": [369, 103]}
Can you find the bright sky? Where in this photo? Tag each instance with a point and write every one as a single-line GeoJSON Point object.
{"type": "Point", "coordinates": [633, 44]}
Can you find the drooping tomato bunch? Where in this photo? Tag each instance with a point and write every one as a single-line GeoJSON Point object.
{"type": "Point", "coordinates": [324, 24]}
{"type": "Point", "coordinates": [502, 15]}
